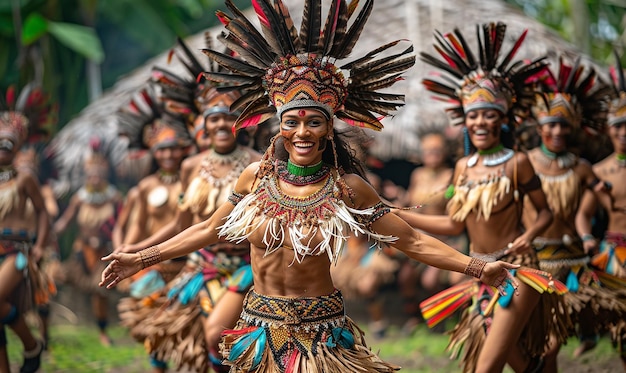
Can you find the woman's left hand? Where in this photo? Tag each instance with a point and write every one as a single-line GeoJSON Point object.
{"type": "Point", "coordinates": [497, 275]}
{"type": "Point", "coordinates": [519, 246]}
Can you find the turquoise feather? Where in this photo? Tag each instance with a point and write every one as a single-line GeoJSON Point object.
{"type": "Point", "coordinates": [342, 337]}
{"type": "Point", "coordinates": [504, 300]}
{"type": "Point", "coordinates": [191, 289]}
{"type": "Point", "coordinates": [572, 282]}
{"type": "Point", "coordinates": [243, 344]}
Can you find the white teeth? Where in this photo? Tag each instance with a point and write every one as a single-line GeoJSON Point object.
{"type": "Point", "coordinates": [6, 144]}
{"type": "Point", "coordinates": [481, 132]}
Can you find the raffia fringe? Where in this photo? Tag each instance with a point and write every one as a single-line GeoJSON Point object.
{"type": "Point", "coordinates": [328, 360]}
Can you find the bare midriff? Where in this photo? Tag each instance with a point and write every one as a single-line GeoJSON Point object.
{"type": "Point", "coordinates": [279, 274]}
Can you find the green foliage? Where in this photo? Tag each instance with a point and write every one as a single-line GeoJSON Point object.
{"type": "Point", "coordinates": [595, 26]}
{"type": "Point", "coordinates": [80, 39]}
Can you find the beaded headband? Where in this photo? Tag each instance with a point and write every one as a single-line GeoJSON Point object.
{"type": "Point", "coordinates": [617, 105]}
{"type": "Point", "coordinates": [486, 82]}
{"type": "Point", "coordinates": [29, 116]}
{"type": "Point", "coordinates": [283, 68]}
{"type": "Point", "coordinates": [575, 97]}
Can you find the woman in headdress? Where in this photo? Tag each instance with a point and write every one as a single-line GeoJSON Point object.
{"type": "Point", "coordinates": [572, 101]}
{"type": "Point", "coordinates": [490, 94]}
{"type": "Point", "coordinates": [94, 207]}
{"type": "Point", "coordinates": [23, 236]}
{"type": "Point", "coordinates": [207, 295]}
{"type": "Point", "coordinates": [609, 253]}
{"type": "Point", "coordinates": [298, 205]}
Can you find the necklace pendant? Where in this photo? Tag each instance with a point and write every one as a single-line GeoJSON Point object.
{"type": "Point", "coordinates": [471, 161]}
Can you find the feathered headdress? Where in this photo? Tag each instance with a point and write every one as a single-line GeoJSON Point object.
{"type": "Point", "coordinates": [145, 122]}
{"type": "Point", "coordinates": [617, 105]}
{"type": "Point", "coordinates": [192, 94]}
{"type": "Point", "coordinates": [485, 81]}
{"type": "Point", "coordinates": [575, 97]}
{"type": "Point", "coordinates": [29, 116]}
{"type": "Point", "coordinates": [283, 68]}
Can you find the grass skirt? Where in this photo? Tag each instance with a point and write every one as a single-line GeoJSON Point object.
{"type": "Point", "coordinates": [306, 334]}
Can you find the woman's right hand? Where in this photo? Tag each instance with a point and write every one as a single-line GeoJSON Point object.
{"type": "Point", "coordinates": [122, 266]}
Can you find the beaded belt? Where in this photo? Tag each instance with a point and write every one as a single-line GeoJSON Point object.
{"type": "Point", "coordinates": [307, 312]}
{"type": "Point", "coordinates": [555, 254]}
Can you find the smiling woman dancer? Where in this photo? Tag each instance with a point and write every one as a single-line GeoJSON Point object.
{"type": "Point", "coordinates": [486, 186]}
{"type": "Point", "coordinates": [297, 212]}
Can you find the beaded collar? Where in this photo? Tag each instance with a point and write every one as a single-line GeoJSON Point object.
{"type": "Point", "coordinates": [313, 175]}
{"type": "Point", "coordinates": [491, 157]}
{"type": "Point", "coordinates": [97, 197]}
{"type": "Point", "coordinates": [323, 214]}
{"type": "Point", "coordinates": [563, 160]}
{"type": "Point", "coordinates": [168, 178]}
{"type": "Point", "coordinates": [7, 174]}
{"type": "Point", "coordinates": [239, 157]}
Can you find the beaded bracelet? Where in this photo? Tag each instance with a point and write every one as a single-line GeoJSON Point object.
{"type": "Point", "coordinates": [587, 237]}
{"type": "Point", "coordinates": [150, 256]}
{"type": "Point", "coordinates": [475, 267]}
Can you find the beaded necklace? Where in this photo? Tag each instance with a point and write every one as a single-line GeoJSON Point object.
{"type": "Point", "coordinates": [96, 197]}
{"type": "Point", "coordinates": [321, 214]}
{"type": "Point", "coordinates": [491, 157]}
{"type": "Point", "coordinates": [168, 178]}
{"type": "Point", "coordinates": [239, 158]}
{"type": "Point", "coordinates": [563, 160]}
{"type": "Point", "coordinates": [206, 191]}
{"type": "Point", "coordinates": [301, 175]}
{"type": "Point", "coordinates": [7, 174]}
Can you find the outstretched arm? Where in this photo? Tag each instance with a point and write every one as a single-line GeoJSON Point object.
{"type": "Point", "coordinates": [124, 265]}
{"type": "Point", "coordinates": [424, 248]}
{"type": "Point", "coordinates": [205, 233]}
{"type": "Point", "coordinates": [433, 224]}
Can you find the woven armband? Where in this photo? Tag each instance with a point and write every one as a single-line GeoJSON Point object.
{"type": "Point", "coordinates": [380, 210]}
{"type": "Point", "coordinates": [235, 198]}
{"type": "Point", "coordinates": [475, 267]}
{"type": "Point", "coordinates": [150, 256]}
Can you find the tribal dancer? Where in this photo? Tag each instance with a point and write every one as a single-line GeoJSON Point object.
{"type": "Point", "coordinates": [94, 207]}
{"type": "Point", "coordinates": [485, 200]}
{"type": "Point", "coordinates": [155, 203]}
{"type": "Point", "coordinates": [298, 205]}
{"type": "Point", "coordinates": [22, 238]}
{"type": "Point", "coordinates": [610, 193]}
{"type": "Point", "coordinates": [574, 100]}
{"type": "Point", "coordinates": [207, 179]}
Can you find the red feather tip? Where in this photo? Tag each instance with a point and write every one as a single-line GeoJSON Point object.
{"type": "Point", "coordinates": [170, 55]}
{"type": "Point", "coordinates": [249, 122]}
{"type": "Point", "coordinates": [456, 44]}
{"type": "Point", "coordinates": [11, 96]}
{"type": "Point", "coordinates": [94, 143]}
{"type": "Point", "coordinates": [223, 17]}
{"type": "Point", "coordinates": [200, 76]}
{"type": "Point", "coordinates": [259, 11]}
{"type": "Point", "coordinates": [146, 97]}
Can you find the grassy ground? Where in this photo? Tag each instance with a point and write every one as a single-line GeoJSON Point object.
{"type": "Point", "coordinates": [76, 348]}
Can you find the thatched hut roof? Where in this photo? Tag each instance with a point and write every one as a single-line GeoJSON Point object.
{"type": "Point", "coordinates": [391, 19]}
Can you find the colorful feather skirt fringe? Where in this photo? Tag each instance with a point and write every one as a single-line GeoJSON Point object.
{"type": "Point", "coordinates": [169, 322]}
{"type": "Point", "coordinates": [612, 256]}
{"type": "Point", "coordinates": [596, 301]}
{"type": "Point", "coordinates": [288, 335]}
{"type": "Point", "coordinates": [549, 317]}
